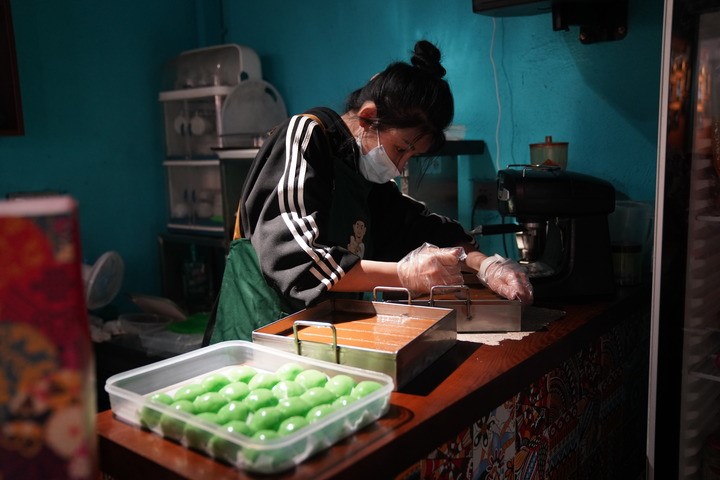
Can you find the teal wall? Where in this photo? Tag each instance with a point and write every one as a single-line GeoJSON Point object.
{"type": "Point", "coordinates": [601, 98]}
{"type": "Point", "coordinates": [90, 74]}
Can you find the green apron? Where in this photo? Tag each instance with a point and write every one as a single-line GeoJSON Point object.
{"type": "Point", "coordinates": [245, 302]}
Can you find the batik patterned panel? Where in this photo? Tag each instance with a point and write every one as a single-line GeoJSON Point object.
{"type": "Point", "coordinates": [452, 460]}
{"type": "Point", "coordinates": [581, 420]}
{"type": "Point", "coordinates": [494, 444]}
{"type": "Point", "coordinates": [530, 441]}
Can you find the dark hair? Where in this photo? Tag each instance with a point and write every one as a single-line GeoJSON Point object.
{"type": "Point", "coordinates": [410, 96]}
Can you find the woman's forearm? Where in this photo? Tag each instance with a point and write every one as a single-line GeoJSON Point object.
{"type": "Point", "coordinates": [368, 274]}
{"type": "Point", "coordinates": [473, 260]}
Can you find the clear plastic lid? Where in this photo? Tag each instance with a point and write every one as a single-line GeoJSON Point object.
{"type": "Point", "coordinates": [222, 65]}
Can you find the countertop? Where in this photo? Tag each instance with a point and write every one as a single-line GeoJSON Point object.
{"type": "Point", "coordinates": [469, 380]}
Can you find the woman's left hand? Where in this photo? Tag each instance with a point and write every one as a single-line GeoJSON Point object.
{"type": "Point", "coordinates": [507, 278]}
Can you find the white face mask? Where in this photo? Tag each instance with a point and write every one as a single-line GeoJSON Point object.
{"type": "Point", "coordinates": [376, 165]}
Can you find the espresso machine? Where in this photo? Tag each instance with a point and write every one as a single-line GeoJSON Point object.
{"type": "Point", "coordinates": [563, 236]}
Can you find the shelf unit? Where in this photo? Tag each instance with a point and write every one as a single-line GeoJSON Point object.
{"type": "Point", "coordinates": [200, 99]}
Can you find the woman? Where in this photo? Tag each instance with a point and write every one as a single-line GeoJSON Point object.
{"type": "Point", "coordinates": [325, 217]}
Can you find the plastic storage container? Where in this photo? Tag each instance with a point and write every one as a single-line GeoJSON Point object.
{"type": "Point", "coordinates": [164, 343]}
{"type": "Point", "coordinates": [130, 393]}
{"type": "Point", "coordinates": [194, 195]}
{"type": "Point", "coordinates": [177, 337]}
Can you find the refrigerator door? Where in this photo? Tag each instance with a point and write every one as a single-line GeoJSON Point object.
{"type": "Point", "coordinates": [684, 392]}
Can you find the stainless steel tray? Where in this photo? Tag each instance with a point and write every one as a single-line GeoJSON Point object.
{"type": "Point", "coordinates": [478, 310]}
{"type": "Point", "coordinates": [395, 339]}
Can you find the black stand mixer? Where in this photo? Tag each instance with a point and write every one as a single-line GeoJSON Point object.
{"type": "Point", "coordinates": [563, 236]}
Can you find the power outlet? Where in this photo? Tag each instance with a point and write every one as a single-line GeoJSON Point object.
{"type": "Point", "coordinates": [485, 194]}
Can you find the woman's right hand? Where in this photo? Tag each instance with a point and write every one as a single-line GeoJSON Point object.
{"type": "Point", "coordinates": [428, 265]}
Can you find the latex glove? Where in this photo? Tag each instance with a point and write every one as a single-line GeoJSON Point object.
{"type": "Point", "coordinates": [507, 278]}
{"type": "Point", "coordinates": [428, 265]}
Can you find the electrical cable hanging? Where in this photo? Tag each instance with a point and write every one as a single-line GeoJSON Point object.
{"type": "Point", "coordinates": [499, 115]}
{"type": "Point", "coordinates": [497, 96]}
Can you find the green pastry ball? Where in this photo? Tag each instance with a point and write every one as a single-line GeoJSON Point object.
{"type": "Point", "coordinates": [287, 388]}
{"type": "Point", "coordinates": [318, 396]}
{"type": "Point", "coordinates": [259, 398]}
{"type": "Point", "coordinates": [225, 449]}
{"type": "Point", "coordinates": [189, 392]}
{"type": "Point", "coordinates": [311, 378]}
{"type": "Point", "coordinates": [333, 430]}
{"type": "Point", "coordinates": [266, 418]}
{"type": "Point", "coordinates": [209, 402]}
{"type": "Point", "coordinates": [364, 388]}
{"type": "Point", "coordinates": [214, 382]}
{"type": "Point", "coordinates": [234, 410]}
{"type": "Point", "coordinates": [263, 380]}
{"type": "Point", "coordinates": [172, 427]}
{"type": "Point", "coordinates": [183, 406]}
{"type": "Point", "coordinates": [265, 435]}
{"type": "Point", "coordinates": [340, 385]}
{"type": "Point", "coordinates": [163, 398]}
{"type": "Point", "coordinates": [197, 437]}
{"type": "Point", "coordinates": [235, 391]}
{"type": "Point", "coordinates": [239, 428]}
{"type": "Point", "coordinates": [293, 406]}
{"type": "Point", "coordinates": [292, 425]}
{"type": "Point", "coordinates": [343, 401]}
{"type": "Point", "coordinates": [150, 417]}
{"type": "Point", "coordinates": [319, 412]}
{"type": "Point", "coordinates": [262, 436]}
{"type": "Point", "coordinates": [288, 371]}
{"type": "Point", "coordinates": [242, 373]}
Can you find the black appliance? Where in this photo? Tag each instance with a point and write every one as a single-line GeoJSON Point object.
{"type": "Point", "coordinates": [563, 238]}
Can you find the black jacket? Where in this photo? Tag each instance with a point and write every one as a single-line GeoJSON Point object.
{"type": "Point", "coordinates": [303, 203]}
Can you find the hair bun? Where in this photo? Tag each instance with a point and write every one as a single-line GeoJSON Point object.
{"type": "Point", "coordinates": [426, 57]}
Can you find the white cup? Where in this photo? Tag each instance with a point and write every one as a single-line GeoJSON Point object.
{"type": "Point", "coordinates": [198, 125]}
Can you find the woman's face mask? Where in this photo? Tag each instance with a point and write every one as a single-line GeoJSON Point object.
{"type": "Point", "coordinates": [376, 165]}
